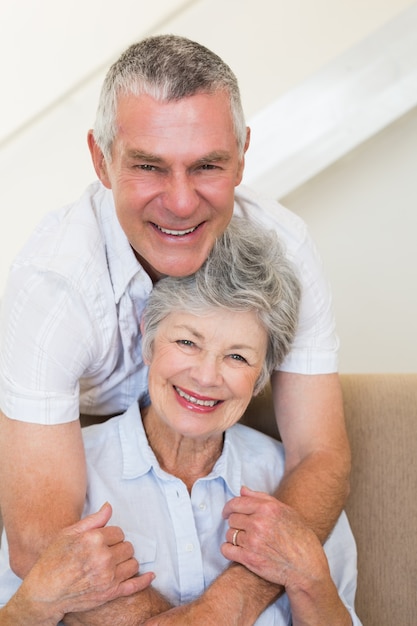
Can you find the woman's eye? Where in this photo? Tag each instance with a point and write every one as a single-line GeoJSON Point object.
{"type": "Point", "coordinates": [185, 342]}
{"type": "Point", "coordinates": [238, 357]}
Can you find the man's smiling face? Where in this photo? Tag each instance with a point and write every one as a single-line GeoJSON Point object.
{"type": "Point", "coordinates": [174, 169]}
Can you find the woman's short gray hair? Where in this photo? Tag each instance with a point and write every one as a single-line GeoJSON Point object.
{"type": "Point", "coordinates": [247, 270]}
{"type": "Point", "coordinates": [165, 67]}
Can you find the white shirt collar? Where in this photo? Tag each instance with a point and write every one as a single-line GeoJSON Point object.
{"type": "Point", "coordinates": [122, 262]}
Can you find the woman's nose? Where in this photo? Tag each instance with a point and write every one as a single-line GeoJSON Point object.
{"type": "Point", "coordinates": [207, 371]}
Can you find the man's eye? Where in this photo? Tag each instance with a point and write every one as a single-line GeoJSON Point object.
{"type": "Point", "coordinates": [146, 167]}
{"type": "Point", "coordinates": [208, 166]}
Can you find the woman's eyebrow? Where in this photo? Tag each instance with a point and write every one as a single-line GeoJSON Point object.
{"type": "Point", "coordinates": [189, 329]}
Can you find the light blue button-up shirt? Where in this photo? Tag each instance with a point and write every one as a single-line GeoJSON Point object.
{"type": "Point", "coordinates": [178, 535]}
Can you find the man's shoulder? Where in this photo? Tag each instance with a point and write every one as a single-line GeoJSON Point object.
{"type": "Point", "coordinates": [270, 214]}
{"type": "Point", "coordinates": [69, 241]}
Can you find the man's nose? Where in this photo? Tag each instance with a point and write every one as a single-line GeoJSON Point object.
{"type": "Point", "coordinates": [180, 196]}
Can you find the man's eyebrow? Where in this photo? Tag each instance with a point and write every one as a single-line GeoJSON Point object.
{"type": "Point", "coordinates": [215, 157]}
{"type": "Point", "coordinates": [210, 157]}
{"type": "Point", "coordinates": [141, 155]}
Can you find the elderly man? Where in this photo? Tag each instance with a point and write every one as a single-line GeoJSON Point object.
{"type": "Point", "coordinates": [168, 147]}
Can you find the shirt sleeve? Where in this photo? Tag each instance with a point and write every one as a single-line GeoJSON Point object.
{"type": "Point", "coordinates": [316, 344]}
{"type": "Point", "coordinates": [46, 339]}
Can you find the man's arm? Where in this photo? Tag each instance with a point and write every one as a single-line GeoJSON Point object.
{"type": "Point", "coordinates": [309, 411]}
{"type": "Point", "coordinates": [236, 597]}
{"type": "Point", "coordinates": [127, 611]}
{"type": "Point", "coordinates": [42, 485]}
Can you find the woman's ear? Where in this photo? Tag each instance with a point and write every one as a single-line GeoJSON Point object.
{"type": "Point", "coordinates": [98, 159]}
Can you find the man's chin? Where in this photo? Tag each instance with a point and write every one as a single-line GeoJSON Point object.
{"type": "Point", "coordinates": [176, 266]}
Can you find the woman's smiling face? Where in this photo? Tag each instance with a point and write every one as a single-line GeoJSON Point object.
{"type": "Point", "coordinates": [203, 370]}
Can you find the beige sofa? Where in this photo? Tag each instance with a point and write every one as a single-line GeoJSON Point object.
{"type": "Point", "coordinates": [381, 416]}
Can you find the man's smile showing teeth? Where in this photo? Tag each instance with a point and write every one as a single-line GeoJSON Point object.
{"type": "Point", "coordinates": [177, 233]}
{"type": "Point", "coordinates": [192, 400]}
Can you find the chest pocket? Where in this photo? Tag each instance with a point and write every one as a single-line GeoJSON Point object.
{"type": "Point", "coordinates": [145, 548]}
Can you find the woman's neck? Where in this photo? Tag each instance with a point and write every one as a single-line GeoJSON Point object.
{"type": "Point", "coordinates": [186, 458]}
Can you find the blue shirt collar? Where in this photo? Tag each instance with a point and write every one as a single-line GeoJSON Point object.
{"type": "Point", "coordinates": [139, 458]}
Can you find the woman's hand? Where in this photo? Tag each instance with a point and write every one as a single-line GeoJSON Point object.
{"type": "Point", "coordinates": [273, 540]}
{"type": "Point", "coordinates": [87, 565]}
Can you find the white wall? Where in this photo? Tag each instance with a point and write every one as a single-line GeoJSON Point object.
{"type": "Point", "coordinates": [362, 212]}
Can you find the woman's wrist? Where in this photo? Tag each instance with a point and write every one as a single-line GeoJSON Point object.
{"type": "Point", "coordinates": [23, 610]}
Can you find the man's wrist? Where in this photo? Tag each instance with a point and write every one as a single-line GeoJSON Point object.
{"type": "Point", "coordinates": [240, 594]}
{"type": "Point", "coordinates": [130, 610]}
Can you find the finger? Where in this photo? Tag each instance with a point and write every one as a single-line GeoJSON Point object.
{"type": "Point", "coordinates": [121, 552]}
{"type": "Point", "coordinates": [112, 535]}
{"type": "Point", "coordinates": [235, 536]}
{"type": "Point", "coordinates": [246, 491]}
{"type": "Point", "coordinates": [240, 504]}
{"type": "Point", "coordinates": [126, 569]}
{"type": "Point", "coordinates": [135, 584]}
{"type": "Point", "coordinates": [232, 553]}
{"type": "Point", "coordinates": [94, 520]}
{"type": "Point", "coordinates": [240, 520]}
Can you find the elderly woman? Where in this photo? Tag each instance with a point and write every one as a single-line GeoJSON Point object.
{"type": "Point", "coordinates": [171, 467]}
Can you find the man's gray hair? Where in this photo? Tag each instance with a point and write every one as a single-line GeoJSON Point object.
{"type": "Point", "coordinates": [247, 270]}
{"type": "Point", "coordinates": [165, 67]}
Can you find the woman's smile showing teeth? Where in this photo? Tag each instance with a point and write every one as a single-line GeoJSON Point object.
{"type": "Point", "coordinates": [203, 367]}
{"type": "Point", "coordinates": [192, 400]}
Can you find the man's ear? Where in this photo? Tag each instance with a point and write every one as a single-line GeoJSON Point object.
{"type": "Point", "coordinates": [247, 142]}
{"type": "Point", "coordinates": [98, 159]}
{"type": "Point", "coordinates": [242, 161]}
